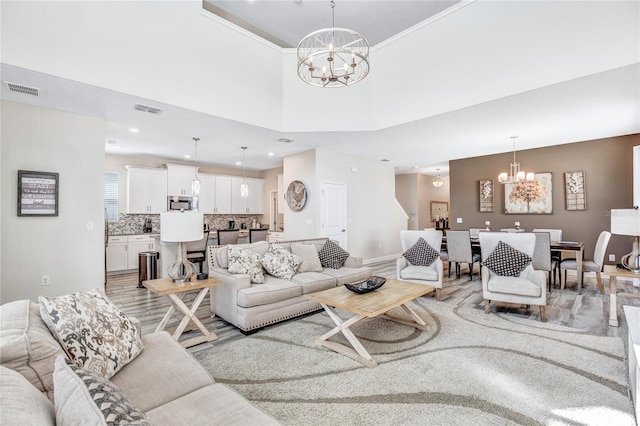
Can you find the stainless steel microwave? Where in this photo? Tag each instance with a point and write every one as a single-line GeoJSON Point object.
{"type": "Point", "coordinates": [179, 203]}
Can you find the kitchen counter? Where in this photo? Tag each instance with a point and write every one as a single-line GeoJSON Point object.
{"type": "Point", "coordinates": [151, 234]}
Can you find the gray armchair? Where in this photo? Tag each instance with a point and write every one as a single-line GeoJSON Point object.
{"type": "Point", "coordinates": [429, 275]}
{"type": "Point", "coordinates": [529, 288]}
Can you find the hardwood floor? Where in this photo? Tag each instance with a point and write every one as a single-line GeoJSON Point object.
{"type": "Point", "coordinates": [587, 311]}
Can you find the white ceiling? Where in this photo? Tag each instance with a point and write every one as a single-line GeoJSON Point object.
{"type": "Point", "coordinates": [601, 105]}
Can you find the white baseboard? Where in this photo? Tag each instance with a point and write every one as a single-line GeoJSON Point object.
{"type": "Point", "coordinates": [381, 259]}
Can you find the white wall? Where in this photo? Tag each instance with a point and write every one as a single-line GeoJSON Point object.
{"type": "Point", "coordinates": [303, 223]}
{"type": "Point", "coordinates": [61, 247]}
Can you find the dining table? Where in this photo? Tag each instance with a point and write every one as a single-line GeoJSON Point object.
{"type": "Point", "coordinates": [573, 248]}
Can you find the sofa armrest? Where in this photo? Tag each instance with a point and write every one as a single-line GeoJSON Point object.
{"type": "Point", "coordinates": [137, 324]}
{"type": "Point", "coordinates": [401, 263]}
{"type": "Point", "coordinates": [353, 262]}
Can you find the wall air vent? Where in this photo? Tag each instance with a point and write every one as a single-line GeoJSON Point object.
{"type": "Point", "coordinates": [147, 108]}
{"type": "Point", "coordinates": [21, 88]}
{"type": "Point", "coordinates": [285, 140]}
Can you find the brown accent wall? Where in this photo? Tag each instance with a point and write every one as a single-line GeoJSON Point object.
{"type": "Point", "coordinates": [608, 167]}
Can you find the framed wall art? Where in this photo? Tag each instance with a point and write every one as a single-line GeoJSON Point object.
{"type": "Point", "coordinates": [296, 195]}
{"type": "Point", "coordinates": [574, 190]}
{"type": "Point", "coordinates": [529, 197]}
{"type": "Point", "coordinates": [439, 210]}
{"type": "Point", "coordinates": [486, 195]}
{"type": "Point", "coordinates": [37, 193]}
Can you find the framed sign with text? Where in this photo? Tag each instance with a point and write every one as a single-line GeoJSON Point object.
{"type": "Point", "coordinates": [37, 193]}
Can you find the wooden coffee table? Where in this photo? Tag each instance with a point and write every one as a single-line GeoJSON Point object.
{"type": "Point", "coordinates": [392, 294]}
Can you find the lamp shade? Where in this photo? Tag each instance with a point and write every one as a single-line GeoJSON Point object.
{"type": "Point", "coordinates": [625, 222]}
{"type": "Point", "coordinates": [181, 226]}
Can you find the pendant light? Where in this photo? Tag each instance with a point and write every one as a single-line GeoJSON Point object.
{"type": "Point", "coordinates": [244, 186]}
{"type": "Point", "coordinates": [195, 183]}
{"type": "Point", "coordinates": [515, 174]}
{"type": "Point", "coordinates": [437, 181]}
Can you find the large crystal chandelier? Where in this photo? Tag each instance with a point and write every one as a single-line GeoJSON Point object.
{"type": "Point", "coordinates": [333, 57]}
{"type": "Point", "coordinates": [515, 174]}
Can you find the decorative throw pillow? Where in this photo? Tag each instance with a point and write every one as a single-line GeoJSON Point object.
{"type": "Point", "coordinates": [243, 261]}
{"type": "Point", "coordinates": [93, 332]}
{"type": "Point", "coordinates": [85, 397]}
{"type": "Point", "coordinates": [506, 261]}
{"type": "Point", "coordinates": [421, 253]}
{"type": "Point", "coordinates": [279, 262]}
{"type": "Point", "coordinates": [309, 255]}
{"type": "Point", "coordinates": [332, 255]}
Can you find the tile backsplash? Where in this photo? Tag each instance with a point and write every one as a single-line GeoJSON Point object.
{"type": "Point", "coordinates": [134, 223]}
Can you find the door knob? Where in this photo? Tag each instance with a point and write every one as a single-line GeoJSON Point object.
{"type": "Point", "coordinates": [344, 230]}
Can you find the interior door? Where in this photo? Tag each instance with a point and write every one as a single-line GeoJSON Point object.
{"type": "Point", "coordinates": [334, 212]}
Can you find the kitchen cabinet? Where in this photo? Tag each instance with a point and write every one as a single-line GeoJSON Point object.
{"type": "Point", "coordinates": [254, 203]}
{"type": "Point", "coordinates": [146, 190]}
{"type": "Point", "coordinates": [179, 179]}
{"type": "Point", "coordinates": [215, 194]}
{"type": "Point", "coordinates": [135, 245]}
{"type": "Point", "coordinates": [116, 253]}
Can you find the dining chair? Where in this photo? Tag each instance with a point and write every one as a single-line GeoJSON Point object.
{"type": "Point", "coordinates": [542, 259]}
{"type": "Point", "coordinates": [473, 232]}
{"type": "Point", "coordinates": [590, 265]}
{"type": "Point", "coordinates": [556, 256]}
{"type": "Point", "coordinates": [511, 230]}
{"type": "Point", "coordinates": [527, 288]}
{"type": "Point", "coordinates": [228, 236]}
{"type": "Point", "coordinates": [197, 250]}
{"type": "Point", "coordinates": [258, 234]}
{"type": "Point", "coordinates": [460, 251]}
{"type": "Point", "coordinates": [428, 275]}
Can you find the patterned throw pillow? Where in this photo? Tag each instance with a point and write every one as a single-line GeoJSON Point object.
{"type": "Point", "coordinates": [243, 261]}
{"type": "Point", "coordinates": [421, 253]}
{"type": "Point", "coordinates": [506, 261]}
{"type": "Point", "coordinates": [332, 255]}
{"type": "Point", "coordinates": [85, 397]}
{"type": "Point", "coordinates": [93, 332]}
{"type": "Point", "coordinates": [279, 262]}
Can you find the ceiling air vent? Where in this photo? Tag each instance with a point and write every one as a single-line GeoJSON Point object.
{"type": "Point", "coordinates": [285, 140]}
{"type": "Point", "coordinates": [20, 88]}
{"type": "Point", "coordinates": [147, 108]}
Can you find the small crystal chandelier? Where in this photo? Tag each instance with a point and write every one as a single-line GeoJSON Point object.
{"type": "Point", "coordinates": [515, 174]}
{"type": "Point", "coordinates": [244, 186]}
{"type": "Point", "coordinates": [333, 57]}
{"type": "Point", "coordinates": [438, 181]}
{"type": "Point", "coordinates": [195, 183]}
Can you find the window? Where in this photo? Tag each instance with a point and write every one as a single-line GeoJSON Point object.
{"type": "Point", "coordinates": [111, 196]}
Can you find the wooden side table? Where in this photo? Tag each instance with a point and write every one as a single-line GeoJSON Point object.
{"type": "Point", "coordinates": [613, 273]}
{"type": "Point", "coordinates": [176, 292]}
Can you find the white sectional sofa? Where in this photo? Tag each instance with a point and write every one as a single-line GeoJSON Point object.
{"type": "Point", "coordinates": [250, 306]}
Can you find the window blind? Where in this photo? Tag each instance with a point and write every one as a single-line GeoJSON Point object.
{"type": "Point", "coordinates": [111, 196]}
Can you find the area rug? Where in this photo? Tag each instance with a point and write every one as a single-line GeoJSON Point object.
{"type": "Point", "coordinates": [469, 369]}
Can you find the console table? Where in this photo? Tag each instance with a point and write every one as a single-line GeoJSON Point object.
{"type": "Point", "coordinates": [632, 314]}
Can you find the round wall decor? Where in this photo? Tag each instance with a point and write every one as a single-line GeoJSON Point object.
{"type": "Point", "coordinates": [296, 195]}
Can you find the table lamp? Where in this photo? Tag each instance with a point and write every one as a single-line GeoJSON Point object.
{"type": "Point", "coordinates": [627, 222]}
{"type": "Point", "coordinates": [181, 227]}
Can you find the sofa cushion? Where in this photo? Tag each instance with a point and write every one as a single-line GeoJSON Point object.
{"type": "Point", "coordinates": [513, 285]}
{"type": "Point", "coordinates": [215, 404]}
{"type": "Point", "coordinates": [413, 272]}
{"type": "Point", "coordinates": [279, 262]}
{"type": "Point", "coordinates": [273, 290]}
{"type": "Point", "coordinates": [93, 332]}
{"type": "Point", "coordinates": [332, 255]}
{"type": "Point", "coordinates": [84, 397]}
{"type": "Point", "coordinates": [421, 253]}
{"type": "Point", "coordinates": [309, 255]}
{"type": "Point", "coordinates": [348, 275]}
{"type": "Point", "coordinates": [504, 260]}
{"type": "Point", "coordinates": [221, 254]}
{"type": "Point", "coordinates": [21, 403]}
{"type": "Point", "coordinates": [244, 261]}
{"type": "Point", "coordinates": [312, 282]}
{"type": "Point", "coordinates": [26, 345]}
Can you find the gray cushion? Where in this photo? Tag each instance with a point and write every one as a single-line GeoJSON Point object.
{"type": "Point", "coordinates": [513, 285]}
{"type": "Point", "coordinates": [423, 273]}
{"type": "Point", "coordinates": [273, 290]}
{"type": "Point", "coordinates": [21, 403]}
{"type": "Point", "coordinates": [84, 397]}
{"type": "Point", "coordinates": [279, 262]}
{"type": "Point", "coordinates": [348, 275]}
{"type": "Point", "coordinates": [309, 255]}
{"type": "Point", "coordinates": [312, 282]}
{"type": "Point", "coordinates": [26, 345]}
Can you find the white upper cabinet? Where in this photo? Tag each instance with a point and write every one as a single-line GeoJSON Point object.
{"type": "Point", "coordinates": [215, 194]}
{"type": "Point", "coordinates": [146, 190]}
{"type": "Point", "coordinates": [254, 203]}
{"type": "Point", "coordinates": [179, 179]}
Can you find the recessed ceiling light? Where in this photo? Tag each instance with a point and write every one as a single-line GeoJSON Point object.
{"type": "Point", "coordinates": [271, 154]}
{"type": "Point", "coordinates": [186, 156]}
{"type": "Point", "coordinates": [134, 130]}
{"type": "Point", "coordinates": [238, 163]}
